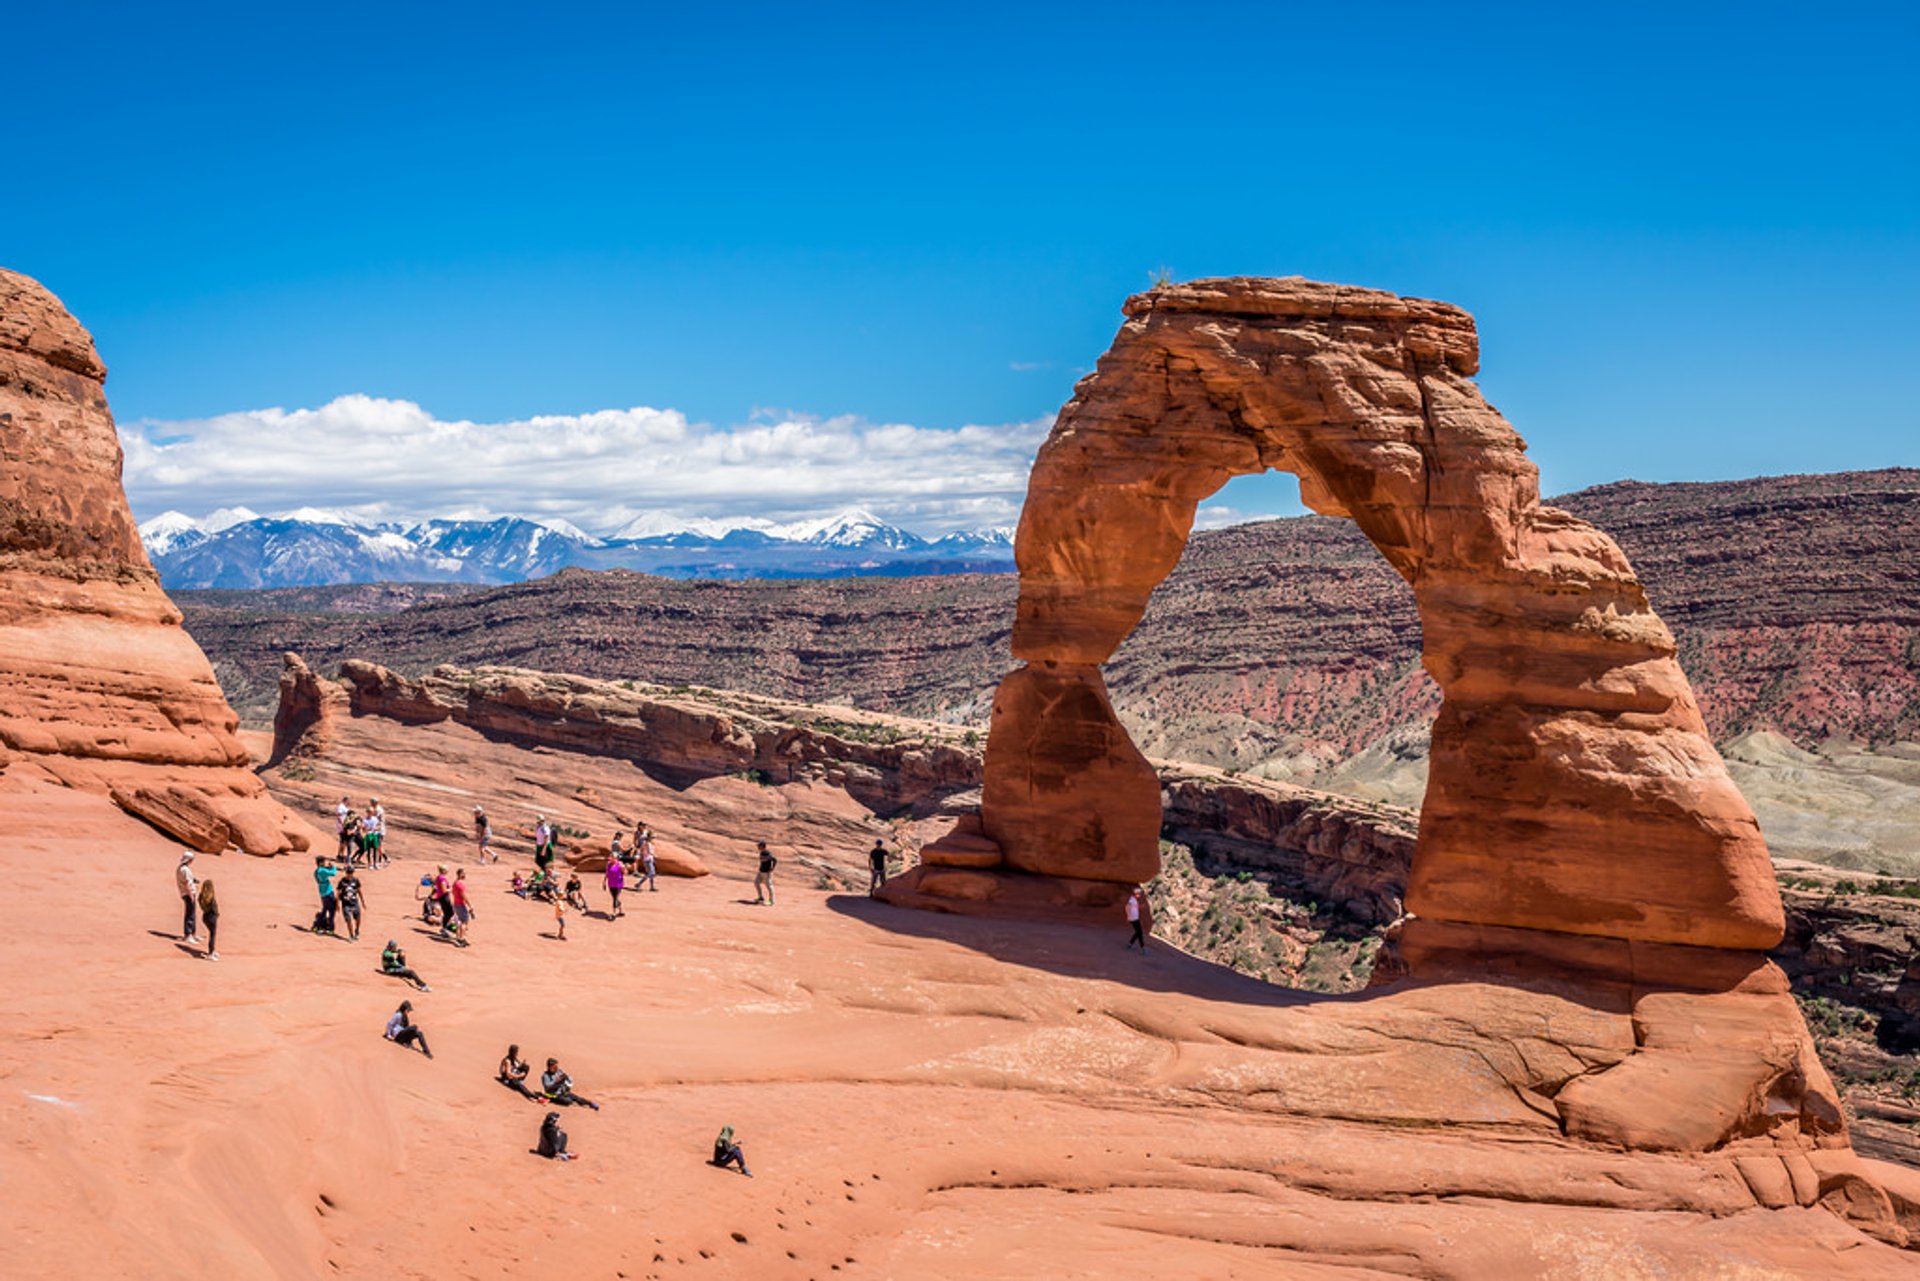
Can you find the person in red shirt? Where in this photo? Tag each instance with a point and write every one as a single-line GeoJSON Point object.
{"type": "Point", "coordinates": [462, 908]}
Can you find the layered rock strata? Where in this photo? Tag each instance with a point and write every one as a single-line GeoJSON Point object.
{"type": "Point", "coordinates": [100, 687]}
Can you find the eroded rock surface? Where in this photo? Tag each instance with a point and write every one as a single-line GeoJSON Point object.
{"type": "Point", "coordinates": [99, 685]}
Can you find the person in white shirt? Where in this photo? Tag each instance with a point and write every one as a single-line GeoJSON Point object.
{"type": "Point", "coordinates": [1136, 912]}
{"type": "Point", "coordinates": [189, 886]}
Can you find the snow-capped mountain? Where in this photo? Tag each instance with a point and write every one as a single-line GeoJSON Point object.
{"type": "Point", "coordinates": [236, 548]}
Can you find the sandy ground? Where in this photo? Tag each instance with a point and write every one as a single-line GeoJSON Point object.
{"type": "Point", "coordinates": [919, 1096]}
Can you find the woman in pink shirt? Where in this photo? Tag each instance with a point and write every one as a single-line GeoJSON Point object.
{"type": "Point", "coordinates": [616, 879]}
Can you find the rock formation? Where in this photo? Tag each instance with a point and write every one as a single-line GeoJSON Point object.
{"type": "Point", "coordinates": [1579, 827]}
{"type": "Point", "coordinates": [100, 688]}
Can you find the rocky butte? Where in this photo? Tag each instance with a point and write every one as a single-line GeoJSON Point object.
{"type": "Point", "coordinates": [100, 687]}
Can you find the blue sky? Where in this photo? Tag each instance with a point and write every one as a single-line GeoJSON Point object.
{"type": "Point", "coordinates": [1689, 233]}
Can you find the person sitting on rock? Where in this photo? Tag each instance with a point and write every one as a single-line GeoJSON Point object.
{"type": "Point", "coordinates": [518, 885]}
{"type": "Point", "coordinates": [402, 1031]}
{"type": "Point", "coordinates": [726, 1152]}
{"type": "Point", "coordinates": [513, 1072]}
{"type": "Point", "coordinates": [576, 896]}
{"type": "Point", "coordinates": [553, 1139]}
{"type": "Point", "coordinates": [393, 963]}
{"type": "Point", "coordinates": [558, 1087]}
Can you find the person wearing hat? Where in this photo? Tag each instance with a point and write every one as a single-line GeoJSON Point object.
{"type": "Point", "coordinates": [393, 963]}
{"type": "Point", "coordinates": [553, 1139]}
{"type": "Point", "coordinates": [189, 886]}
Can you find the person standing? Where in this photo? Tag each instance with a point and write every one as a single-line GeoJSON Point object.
{"type": "Point", "coordinates": [482, 834]}
{"type": "Point", "coordinates": [877, 866]}
{"type": "Point", "coordinates": [443, 899]}
{"type": "Point", "coordinates": [615, 853]}
{"type": "Point", "coordinates": [644, 844]}
{"type": "Point", "coordinates": [375, 829]}
{"type": "Point", "coordinates": [1136, 917]}
{"type": "Point", "coordinates": [402, 1030]}
{"type": "Point", "coordinates": [543, 844]}
{"type": "Point", "coordinates": [341, 813]}
{"type": "Point", "coordinates": [189, 886]}
{"type": "Point", "coordinates": [210, 914]}
{"type": "Point", "coordinates": [462, 909]}
{"type": "Point", "coordinates": [763, 880]}
{"type": "Point", "coordinates": [351, 897]}
{"type": "Point", "coordinates": [616, 880]}
{"type": "Point", "coordinates": [323, 873]}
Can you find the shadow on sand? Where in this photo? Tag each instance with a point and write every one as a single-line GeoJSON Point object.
{"type": "Point", "coordinates": [1083, 952]}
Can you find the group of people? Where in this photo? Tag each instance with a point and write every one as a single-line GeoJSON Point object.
{"type": "Point", "coordinates": [362, 836]}
{"type": "Point", "coordinates": [445, 904]}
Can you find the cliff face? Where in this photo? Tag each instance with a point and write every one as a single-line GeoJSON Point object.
{"type": "Point", "coordinates": [100, 687]}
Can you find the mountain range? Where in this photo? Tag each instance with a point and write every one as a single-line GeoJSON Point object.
{"type": "Point", "coordinates": [239, 549]}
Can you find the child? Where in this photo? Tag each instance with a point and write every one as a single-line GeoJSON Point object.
{"type": "Point", "coordinates": [560, 918]}
{"type": "Point", "coordinates": [519, 885]}
{"type": "Point", "coordinates": [575, 895]}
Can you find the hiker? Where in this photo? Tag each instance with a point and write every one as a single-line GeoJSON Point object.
{"type": "Point", "coordinates": [402, 1031]}
{"type": "Point", "coordinates": [443, 897]}
{"type": "Point", "coordinates": [323, 873]}
{"type": "Point", "coordinates": [1137, 910]}
{"type": "Point", "coordinates": [352, 899]}
{"type": "Point", "coordinates": [341, 813]}
{"type": "Point", "coordinates": [558, 1087]}
{"type": "Point", "coordinates": [553, 1139]}
{"type": "Point", "coordinates": [576, 894]}
{"type": "Point", "coordinates": [877, 865]}
{"type": "Point", "coordinates": [210, 914]}
{"type": "Point", "coordinates": [375, 829]}
{"type": "Point", "coordinates": [482, 834]}
{"type": "Point", "coordinates": [189, 886]}
{"type": "Point", "coordinates": [462, 909]}
{"type": "Point", "coordinates": [542, 844]}
{"type": "Point", "coordinates": [513, 1073]}
{"type": "Point", "coordinates": [763, 880]}
{"type": "Point", "coordinates": [424, 896]}
{"type": "Point", "coordinates": [643, 846]}
{"type": "Point", "coordinates": [616, 878]}
{"type": "Point", "coordinates": [393, 964]}
{"type": "Point", "coordinates": [726, 1152]}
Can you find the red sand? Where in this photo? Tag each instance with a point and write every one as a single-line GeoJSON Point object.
{"type": "Point", "coordinates": [918, 1096]}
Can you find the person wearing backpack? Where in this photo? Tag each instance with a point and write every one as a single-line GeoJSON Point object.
{"type": "Point", "coordinates": [763, 880]}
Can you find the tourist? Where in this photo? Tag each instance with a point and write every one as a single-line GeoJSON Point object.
{"type": "Point", "coordinates": [518, 885]}
{"type": "Point", "coordinates": [619, 855]}
{"type": "Point", "coordinates": [352, 900]}
{"type": "Point", "coordinates": [352, 843]}
{"type": "Point", "coordinates": [462, 909]}
{"type": "Point", "coordinates": [513, 1073]}
{"type": "Point", "coordinates": [726, 1152]}
{"type": "Point", "coordinates": [210, 915]}
{"type": "Point", "coordinates": [553, 1139]}
{"type": "Point", "coordinates": [616, 879]}
{"type": "Point", "coordinates": [189, 886]}
{"type": "Point", "coordinates": [482, 834]}
{"type": "Point", "coordinates": [402, 1031]}
{"type": "Point", "coordinates": [375, 833]}
{"type": "Point", "coordinates": [341, 813]}
{"type": "Point", "coordinates": [643, 846]}
{"type": "Point", "coordinates": [877, 866]}
{"type": "Point", "coordinates": [576, 893]}
{"type": "Point", "coordinates": [558, 1087]}
{"type": "Point", "coordinates": [542, 843]}
{"type": "Point", "coordinates": [559, 914]}
{"type": "Point", "coordinates": [323, 873]}
{"type": "Point", "coordinates": [443, 898]}
{"type": "Point", "coordinates": [763, 880]}
{"type": "Point", "coordinates": [424, 896]}
{"type": "Point", "coordinates": [1136, 914]}
{"type": "Point", "coordinates": [393, 964]}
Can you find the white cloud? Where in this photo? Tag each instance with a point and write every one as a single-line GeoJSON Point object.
{"type": "Point", "coordinates": [381, 459]}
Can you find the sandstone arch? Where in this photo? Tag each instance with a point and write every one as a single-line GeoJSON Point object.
{"type": "Point", "coordinates": [1572, 788]}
